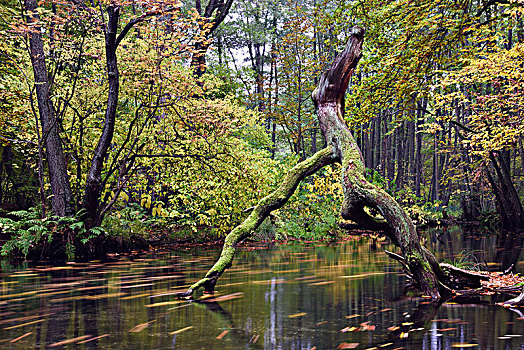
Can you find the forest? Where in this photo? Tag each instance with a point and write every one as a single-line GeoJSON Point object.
{"type": "Point", "coordinates": [181, 116]}
{"type": "Point", "coordinates": [133, 126]}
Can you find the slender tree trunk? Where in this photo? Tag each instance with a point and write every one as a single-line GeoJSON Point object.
{"type": "Point", "coordinates": [371, 145]}
{"type": "Point", "coordinates": [93, 187]}
{"type": "Point", "coordinates": [385, 147]}
{"type": "Point", "coordinates": [378, 142]}
{"type": "Point", "coordinates": [508, 200]}
{"type": "Point", "coordinates": [391, 155]}
{"type": "Point", "coordinates": [418, 152]}
{"type": "Point", "coordinates": [401, 157]}
{"type": "Point", "coordinates": [62, 197]}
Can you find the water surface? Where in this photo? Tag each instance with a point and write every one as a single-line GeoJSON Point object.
{"type": "Point", "coordinates": [291, 296]}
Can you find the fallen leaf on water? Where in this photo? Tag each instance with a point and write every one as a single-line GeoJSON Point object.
{"type": "Point", "coordinates": [364, 275]}
{"type": "Point", "coordinates": [17, 295]}
{"type": "Point", "coordinates": [385, 345]}
{"type": "Point", "coordinates": [453, 321]}
{"type": "Point", "coordinates": [56, 268]}
{"type": "Point", "coordinates": [140, 327]}
{"type": "Point", "coordinates": [137, 286]}
{"type": "Point", "coordinates": [279, 281]}
{"type": "Point", "coordinates": [300, 314]}
{"type": "Point", "coordinates": [181, 330]}
{"type": "Point", "coordinates": [352, 316]}
{"type": "Point", "coordinates": [407, 323]}
{"type": "Point", "coordinates": [305, 278]}
{"type": "Point", "coordinates": [164, 303]}
{"type": "Point", "coordinates": [25, 318]}
{"type": "Point", "coordinates": [446, 329]}
{"type": "Point", "coordinates": [135, 296]}
{"type": "Point", "coordinates": [463, 345]}
{"type": "Point", "coordinates": [228, 297]}
{"type": "Point", "coordinates": [91, 339]}
{"type": "Point", "coordinates": [347, 345]}
{"type": "Point", "coordinates": [61, 300]}
{"type": "Point", "coordinates": [24, 324]}
{"type": "Point", "coordinates": [287, 271]}
{"type": "Point", "coordinates": [25, 275]}
{"type": "Point", "coordinates": [321, 283]}
{"type": "Point", "coordinates": [69, 341]}
{"type": "Point", "coordinates": [349, 329]}
{"type": "Point", "coordinates": [393, 328]}
{"type": "Point", "coordinates": [232, 284]}
{"type": "Point", "coordinates": [404, 335]}
{"type": "Point", "coordinates": [209, 296]}
{"type": "Point", "coordinates": [321, 323]}
{"type": "Point", "coordinates": [21, 337]}
{"type": "Point", "coordinates": [222, 335]}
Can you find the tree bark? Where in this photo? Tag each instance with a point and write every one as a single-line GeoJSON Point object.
{"type": "Point", "coordinates": [358, 192]}
{"type": "Point", "coordinates": [508, 200]}
{"type": "Point", "coordinates": [62, 197]}
{"type": "Point", "coordinates": [93, 187]}
{"type": "Point", "coordinates": [214, 13]}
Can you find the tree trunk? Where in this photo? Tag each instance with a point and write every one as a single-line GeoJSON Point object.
{"type": "Point", "coordinates": [418, 152]}
{"type": "Point", "coordinates": [358, 192]}
{"type": "Point", "coordinates": [214, 13]}
{"type": "Point", "coordinates": [508, 200]}
{"type": "Point", "coordinates": [62, 197]}
{"type": "Point", "coordinates": [93, 187]}
{"type": "Point", "coordinates": [401, 156]}
{"type": "Point", "coordinates": [198, 59]}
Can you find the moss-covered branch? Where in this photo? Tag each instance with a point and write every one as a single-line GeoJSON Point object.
{"type": "Point", "coordinates": [265, 206]}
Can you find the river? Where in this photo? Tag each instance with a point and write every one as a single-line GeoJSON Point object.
{"type": "Point", "coordinates": [299, 295]}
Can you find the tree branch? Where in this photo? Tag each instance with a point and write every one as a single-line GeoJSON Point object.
{"type": "Point", "coordinates": [142, 18]}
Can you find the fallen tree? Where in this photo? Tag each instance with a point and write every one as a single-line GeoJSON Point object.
{"type": "Point", "coordinates": [432, 278]}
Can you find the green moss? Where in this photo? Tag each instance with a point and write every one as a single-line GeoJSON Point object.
{"type": "Point", "coordinates": [267, 204]}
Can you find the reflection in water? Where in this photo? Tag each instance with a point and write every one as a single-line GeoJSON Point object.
{"type": "Point", "coordinates": [296, 296]}
{"type": "Point", "coordinates": [509, 247]}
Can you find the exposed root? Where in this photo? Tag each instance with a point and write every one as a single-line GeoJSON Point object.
{"type": "Point", "coordinates": [518, 301]}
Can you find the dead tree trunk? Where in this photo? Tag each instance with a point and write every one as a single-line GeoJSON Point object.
{"type": "Point", "coordinates": [358, 192]}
